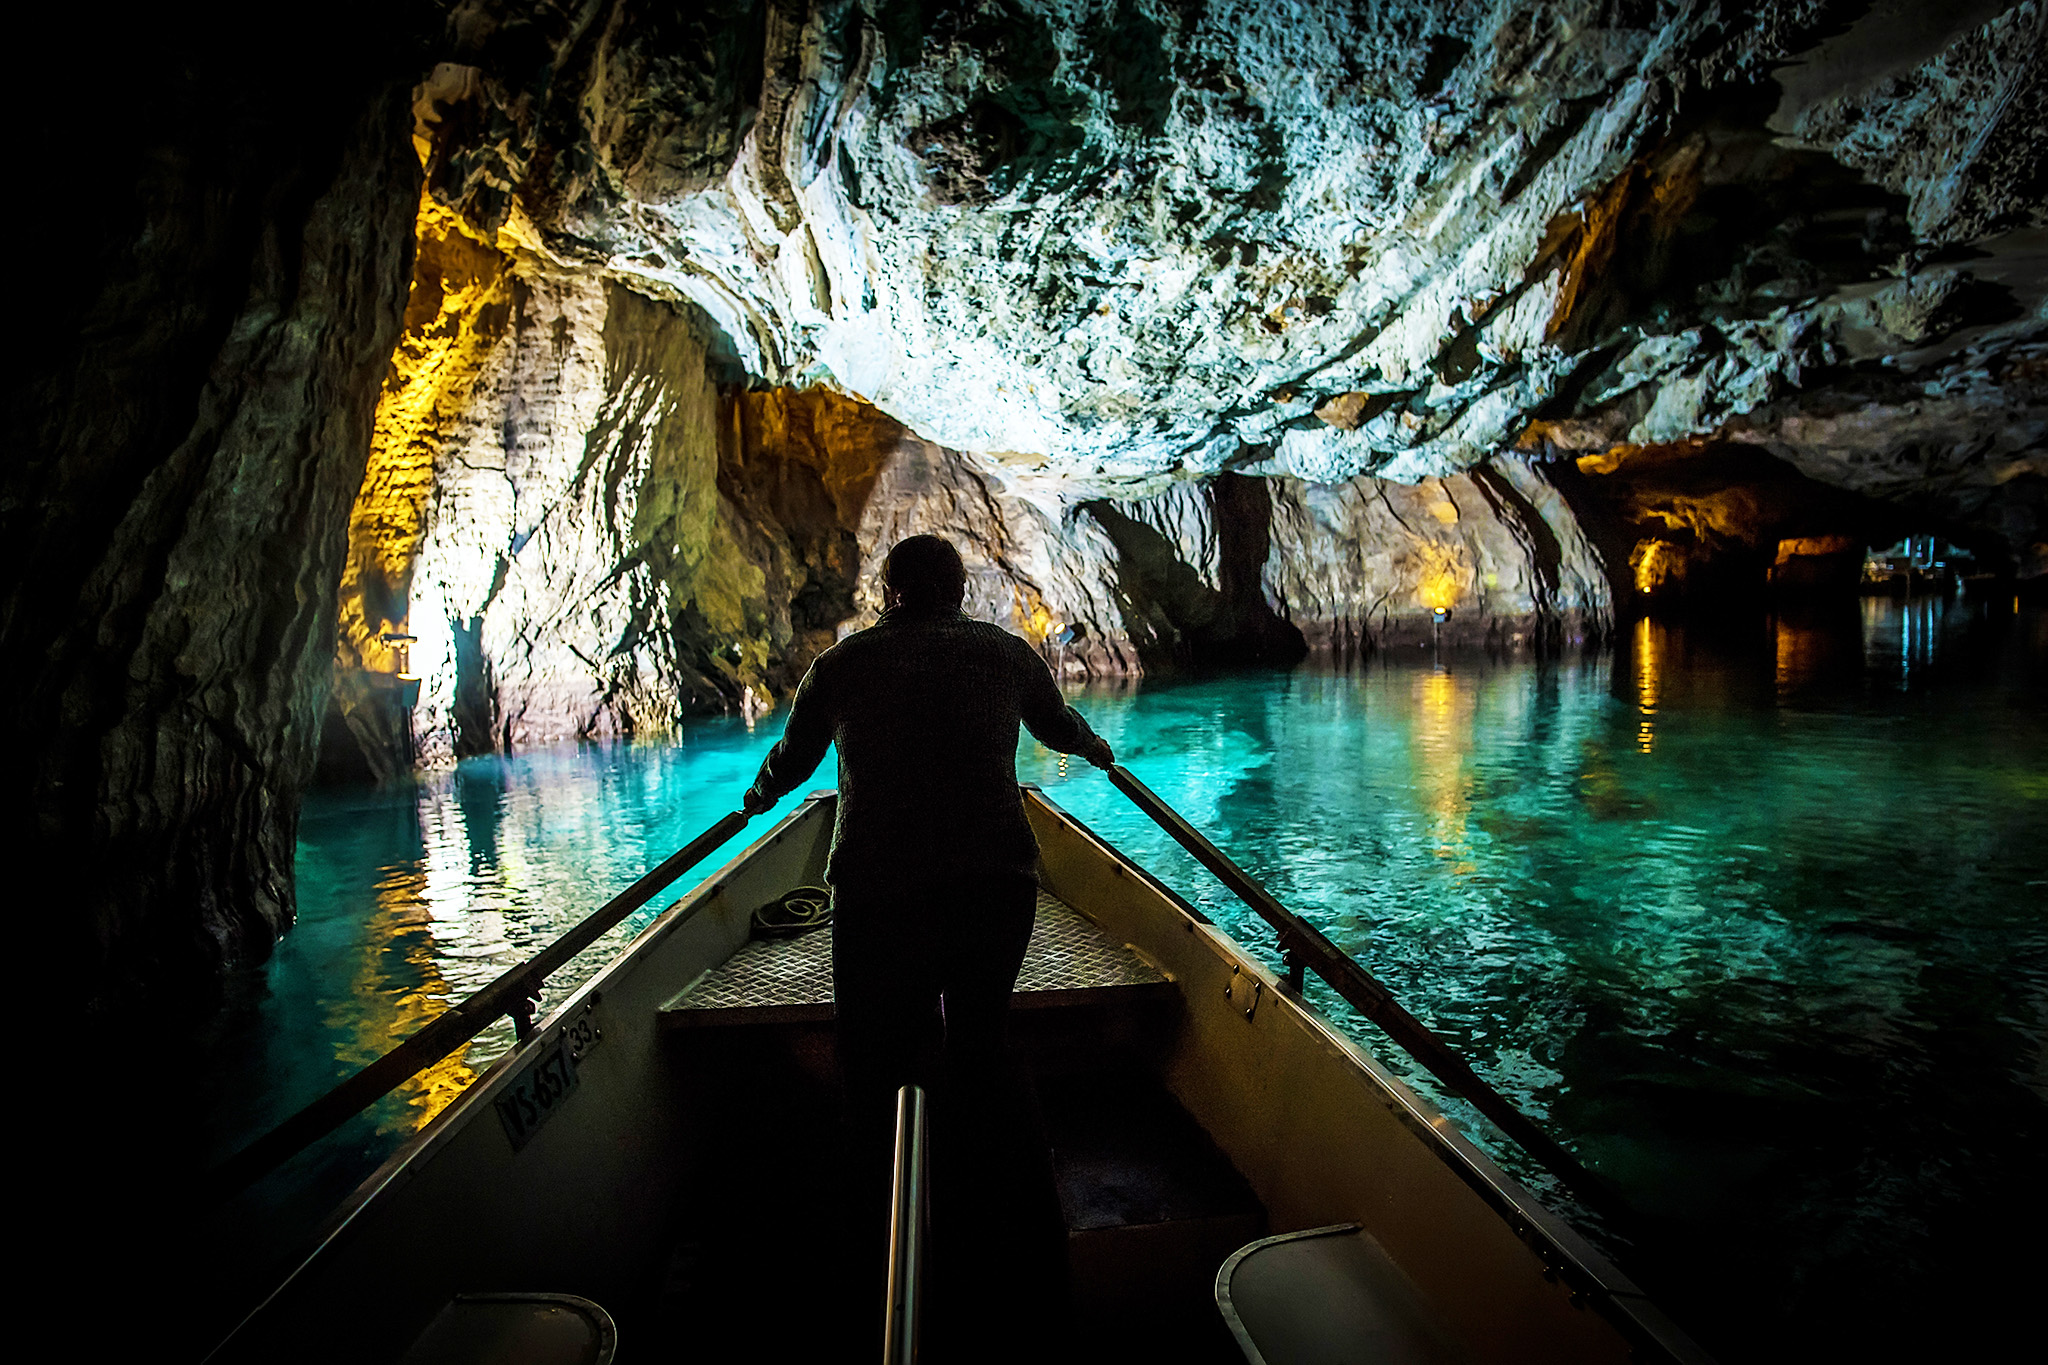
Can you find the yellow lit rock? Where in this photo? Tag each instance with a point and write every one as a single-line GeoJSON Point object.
{"type": "Point", "coordinates": [1654, 563]}
{"type": "Point", "coordinates": [456, 313]}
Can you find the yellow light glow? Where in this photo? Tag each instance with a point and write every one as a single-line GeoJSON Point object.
{"type": "Point", "coordinates": [1653, 563]}
{"type": "Point", "coordinates": [1032, 618]}
{"type": "Point", "coordinates": [1443, 739]}
{"type": "Point", "coordinates": [457, 311]}
{"type": "Point", "coordinates": [379, 1018]}
{"type": "Point", "coordinates": [1650, 644]}
{"type": "Point", "coordinates": [1443, 575]}
{"type": "Point", "coordinates": [1798, 546]}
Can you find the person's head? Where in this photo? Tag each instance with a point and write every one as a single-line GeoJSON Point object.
{"type": "Point", "coordinates": [924, 571]}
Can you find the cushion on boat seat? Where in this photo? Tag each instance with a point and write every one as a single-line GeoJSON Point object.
{"type": "Point", "coordinates": [516, 1329]}
{"type": "Point", "coordinates": [1327, 1296]}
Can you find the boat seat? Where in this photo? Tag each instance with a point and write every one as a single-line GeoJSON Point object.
{"type": "Point", "coordinates": [1069, 961]}
{"type": "Point", "coordinates": [1327, 1296]}
{"type": "Point", "coordinates": [516, 1329]}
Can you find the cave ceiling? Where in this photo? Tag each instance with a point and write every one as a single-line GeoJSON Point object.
{"type": "Point", "coordinates": [1049, 279]}
{"type": "Point", "coordinates": [1104, 246]}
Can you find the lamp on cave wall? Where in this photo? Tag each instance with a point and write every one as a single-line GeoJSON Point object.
{"type": "Point", "coordinates": [1439, 592]}
{"type": "Point", "coordinates": [1653, 562]}
{"type": "Point", "coordinates": [408, 681]}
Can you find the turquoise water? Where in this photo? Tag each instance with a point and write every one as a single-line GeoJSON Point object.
{"type": "Point", "coordinates": [1755, 920]}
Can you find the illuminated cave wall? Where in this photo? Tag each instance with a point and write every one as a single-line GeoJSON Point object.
{"type": "Point", "coordinates": [592, 527]}
{"type": "Point", "coordinates": [1536, 315]}
{"type": "Point", "coordinates": [588, 534]}
{"type": "Point", "coordinates": [1214, 333]}
{"type": "Point", "coordinates": [459, 309]}
{"type": "Point", "coordinates": [1143, 243]}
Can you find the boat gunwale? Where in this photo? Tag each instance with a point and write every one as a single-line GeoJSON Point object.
{"type": "Point", "coordinates": [1561, 1247]}
{"type": "Point", "coordinates": [394, 1172]}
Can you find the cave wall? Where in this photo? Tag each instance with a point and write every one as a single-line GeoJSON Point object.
{"type": "Point", "coordinates": [215, 303]}
{"type": "Point", "coordinates": [1191, 323]}
{"type": "Point", "coordinates": [594, 527]}
{"type": "Point", "coordinates": [1717, 528]}
{"type": "Point", "coordinates": [1366, 563]}
{"type": "Point", "coordinates": [1318, 241]}
{"type": "Point", "coordinates": [610, 540]}
{"type": "Point", "coordinates": [592, 530]}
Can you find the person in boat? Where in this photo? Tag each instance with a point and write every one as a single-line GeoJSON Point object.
{"type": "Point", "coordinates": [933, 891]}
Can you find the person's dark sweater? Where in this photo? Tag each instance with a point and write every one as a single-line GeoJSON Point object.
{"type": "Point", "coordinates": [924, 706]}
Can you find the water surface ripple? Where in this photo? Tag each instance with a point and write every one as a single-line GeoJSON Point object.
{"type": "Point", "coordinates": [1753, 920]}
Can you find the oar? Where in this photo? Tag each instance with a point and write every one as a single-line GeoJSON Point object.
{"type": "Point", "coordinates": [1302, 943]}
{"type": "Point", "coordinates": [511, 994]}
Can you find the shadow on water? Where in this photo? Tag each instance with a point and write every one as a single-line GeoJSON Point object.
{"type": "Point", "coordinates": [1750, 914]}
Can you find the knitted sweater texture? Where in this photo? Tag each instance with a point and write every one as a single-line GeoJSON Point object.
{"type": "Point", "coordinates": [924, 707]}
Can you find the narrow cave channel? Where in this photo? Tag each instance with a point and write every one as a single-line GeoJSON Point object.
{"type": "Point", "coordinates": [1558, 494]}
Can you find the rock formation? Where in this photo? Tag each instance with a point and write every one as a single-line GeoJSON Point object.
{"type": "Point", "coordinates": [1395, 261]}
{"type": "Point", "coordinates": [220, 294]}
{"type": "Point", "coordinates": [584, 533]}
{"type": "Point", "coordinates": [1215, 334]}
{"type": "Point", "coordinates": [1314, 240]}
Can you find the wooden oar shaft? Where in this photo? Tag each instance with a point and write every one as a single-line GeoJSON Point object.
{"type": "Point", "coordinates": [1367, 994]}
{"type": "Point", "coordinates": [457, 1026]}
{"type": "Point", "coordinates": [908, 1217]}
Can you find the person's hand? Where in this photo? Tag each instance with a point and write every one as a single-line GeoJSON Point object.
{"type": "Point", "coordinates": [1099, 753]}
{"type": "Point", "coordinates": [753, 803]}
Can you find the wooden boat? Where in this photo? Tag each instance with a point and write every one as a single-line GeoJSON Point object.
{"type": "Point", "coordinates": [661, 1145]}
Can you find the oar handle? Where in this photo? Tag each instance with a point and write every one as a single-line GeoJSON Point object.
{"type": "Point", "coordinates": [1365, 993]}
{"type": "Point", "coordinates": [509, 994]}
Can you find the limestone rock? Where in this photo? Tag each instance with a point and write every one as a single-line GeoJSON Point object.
{"type": "Point", "coordinates": [1367, 563]}
{"type": "Point", "coordinates": [1708, 525]}
{"type": "Point", "coordinates": [1189, 323]}
{"type": "Point", "coordinates": [221, 295]}
{"type": "Point", "coordinates": [1045, 571]}
{"type": "Point", "coordinates": [1310, 241]}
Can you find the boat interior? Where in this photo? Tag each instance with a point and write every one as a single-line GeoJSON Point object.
{"type": "Point", "coordinates": [669, 1144]}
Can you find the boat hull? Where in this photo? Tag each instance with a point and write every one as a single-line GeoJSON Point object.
{"type": "Point", "coordinates": [584, 1197]}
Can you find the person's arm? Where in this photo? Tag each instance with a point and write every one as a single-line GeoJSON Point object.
{"type": "Point", "coordinates": [1047, 716]}
{"type": "Point", "coordinates": [802, 747]}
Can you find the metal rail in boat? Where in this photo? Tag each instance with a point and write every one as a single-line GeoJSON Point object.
{"type": "Point", "coordinates": [572, 1162]}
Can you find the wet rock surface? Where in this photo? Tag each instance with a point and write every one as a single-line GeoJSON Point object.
{"type": "Point", "coordinates": [1305, 240]}
{"type": "Point", "coordinates": [218, 298]}
{"type": "Point", "coordinates": [1367, 563]}
{"type": "Point", "coordinates": [1213, 334]}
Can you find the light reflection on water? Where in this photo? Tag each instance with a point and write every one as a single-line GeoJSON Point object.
{"type": "Point", "coordinates": [1754, 921]}
{"type": "Point", "coordinates": [410, 901]}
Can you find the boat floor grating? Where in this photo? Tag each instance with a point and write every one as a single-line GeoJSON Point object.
{"type": "Point", "coordinates": [1069, 960]}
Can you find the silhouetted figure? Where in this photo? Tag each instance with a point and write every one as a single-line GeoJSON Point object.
{"type": "Point", "coordinates": [933, 897]}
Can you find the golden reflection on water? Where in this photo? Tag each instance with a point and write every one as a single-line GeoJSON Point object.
{"type": "Point", "coordinates": [1809, 652]}
{"type": "Point", "coordinates": [1651, 642]}
{"type": "Point", "coordinates": [1443, 743]}
{"type": "Point", "coordinates": [376, 1014]}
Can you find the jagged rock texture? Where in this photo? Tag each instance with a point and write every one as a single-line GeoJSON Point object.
{"type": "Point", "coordinates": [1313, 240]}
{"type": "Point", "coordinates": [1096, 257]}
{"type": "Point", "coordinates": [1188, 321]}
{"type": "Point", "coordinates": [219, 300]}
{"type": "Point", "coordinates": [605, 542]}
